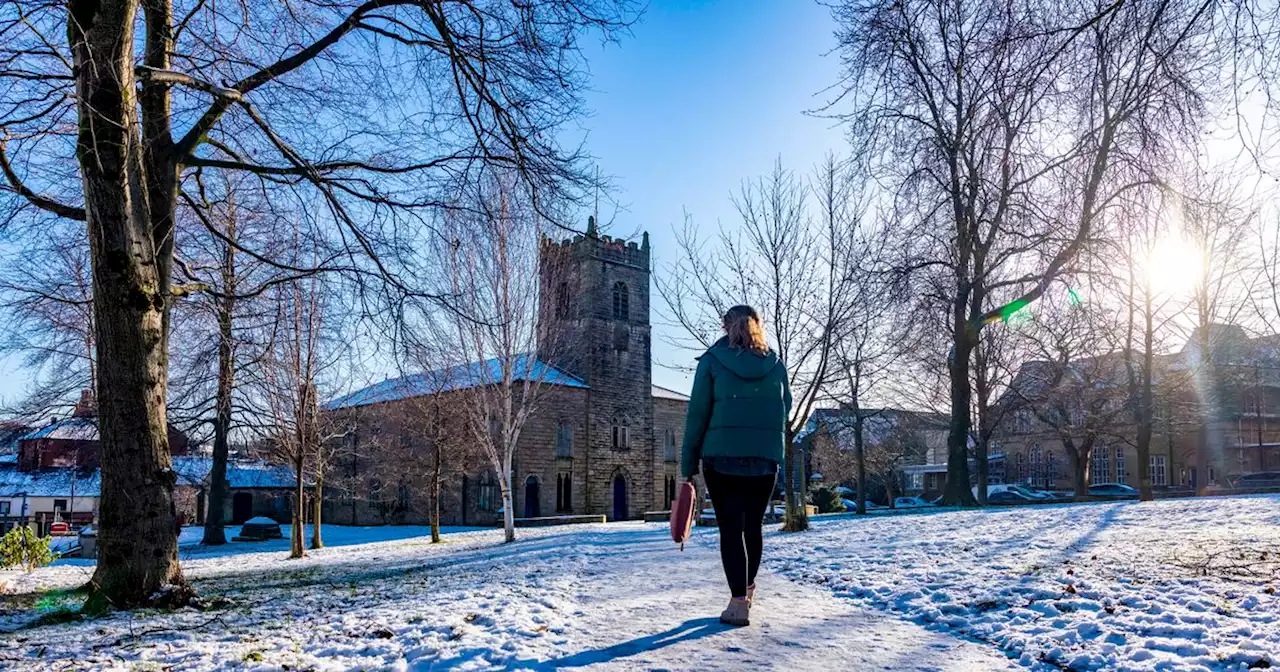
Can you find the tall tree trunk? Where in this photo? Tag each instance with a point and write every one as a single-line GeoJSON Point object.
{"type": "Point", "coordinates": [138, 544]}
{"type": "Point", "coordinates": [317, 501]}
{"type": "Point", "coordinates": [1079, 458]}
{"type": "Point", "coordinates": [508, 512]}
{"type": "Point", "coordinates": [297, 535]}
{"type": "Point", "coordinates": [796, 518]}
{"type": "Point", "coordinates": [218, 486]}
{"type": "Point", "coordinates": [957, 490]}
{"type": "Point", "coordinates": [435, 497]}
{"type": "Point", "coordinates": [859, 448]}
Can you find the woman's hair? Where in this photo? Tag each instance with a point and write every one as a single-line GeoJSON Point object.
{"type": "Point", "coordinates": [742, 324]}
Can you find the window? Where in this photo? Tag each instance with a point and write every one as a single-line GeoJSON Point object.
{"type": "Point", "coordinates": [1120, 465]}
{"type": "Point", "coordinates": [1037, 466]}
{"type": "Point", "coordinates": [1100, 471]}
{"type": "Point", "coordinates": [562, 300]}
{"type": "Point", "coordinates": [1051, 470]}
{"type": "Point", "coordinates": [621, 434]}
{"type": "Point", "coordinates": [669, 445]}
{"type": "Point", "coordinates": [4, 508]}
{"type": "Point", "coordinates": [669, 490]}
{"type": "Point", "coordinates": [621, 301]}
{"type": "Point", "coordinates": [59, 505]}
{"type": "Point", "coordinates": [1077, 416]}
{"type": "Point", "coordinates": [564, 440]}
{"type": "Point", "coordinates": [917, 480]}
{"type": "Point", "coordinates": [1022, 422]}
{"type": "Point", "coordinates": [488, 495]}
{"type": "Point", "coordinates": [564, 492]}
{"type": "Point", "coordinates": [1159, 476]}
{"type": "Point", "coordinates": [1020, 466]}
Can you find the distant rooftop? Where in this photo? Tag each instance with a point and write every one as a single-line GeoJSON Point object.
{"type": "Point", "coordinates": [241, 474]}
{"type": "Point", "coordinates": [660, 392]}
{"type": "Point", "coordinates": [48, 482]}
{"type": "Point", "coordinates": [461, 377]}
{"type": "Point", "coordinates": [71, 429]}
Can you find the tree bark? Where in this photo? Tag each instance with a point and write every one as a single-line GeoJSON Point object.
{"type": "Point", "coordinates": [317, 500]}
{"type": "Point", "coordinates": [138, 545]}
{"type": "Point", "coordinates": [435, 497]}
{"type": "Point", "coordinates": [957, 490]}
{"type": "Point", "coordinates": [214, 534]}
{"type": "Point", "coordinates": [297, 535]}
{"type": "Point", "coordinates": [508, 514]}
{"type": "Point", "coordinates": [1079, 469]}
{"type": "Point", "coordinates": [860, 451]}
{"type": "Point", "coordinates": [796, 518]}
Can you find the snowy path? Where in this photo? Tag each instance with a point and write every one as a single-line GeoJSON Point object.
{"type": "Point", "coordinates": [597, 597]}
{"type": "Point", "coordinates": [659, 610]}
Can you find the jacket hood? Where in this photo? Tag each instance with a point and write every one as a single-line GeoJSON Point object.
{"type": "Point", "coordinates": [743, 363]}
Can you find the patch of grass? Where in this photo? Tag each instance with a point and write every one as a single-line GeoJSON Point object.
{"type": "Point", "coordinates": [252, 657]}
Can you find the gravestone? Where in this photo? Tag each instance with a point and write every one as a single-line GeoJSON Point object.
{"type": "Point", "coordinates": [259, 528]}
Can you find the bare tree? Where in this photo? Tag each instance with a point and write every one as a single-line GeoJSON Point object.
{"type": "Point", "coordinates": [47, 298]}
{"type": "Point", "coordinates": [1217, 227]}
{"type": "Point", "coordinates": [789, 259]}
{"type": "Point", "coordinates": [1073, 383]}
{"type": "Point", "coordinates": [496, 276]}
{"type": "Point", "coordinates": [100, 124]}
{"type": "Point", "coordinates": [954, 105]}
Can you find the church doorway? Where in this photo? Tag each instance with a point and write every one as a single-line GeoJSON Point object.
{"type": "Point", "coordinates": [241, 507]}
{"type": "Point", "coordinates": [620, 498]}
{"type": "Point", "coordinates": [531, 509]}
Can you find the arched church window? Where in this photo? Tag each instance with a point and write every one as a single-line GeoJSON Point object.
{"type": "Point", "coordinates": [621, 301]}
{"type": "Point", "coordinates": [669, 445]}
{"type": "Point", "coordinates": [621, 434]}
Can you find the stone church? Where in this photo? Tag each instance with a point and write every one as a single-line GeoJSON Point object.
{"type": "Point", "coordinates": [602, 440]}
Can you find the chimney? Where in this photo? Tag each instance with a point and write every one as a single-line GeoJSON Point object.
{"type": "Point", "coordinates": [87, 407]}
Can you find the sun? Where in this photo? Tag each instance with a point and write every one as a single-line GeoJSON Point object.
{"type": "Point", "coordinates": [1172, 265]}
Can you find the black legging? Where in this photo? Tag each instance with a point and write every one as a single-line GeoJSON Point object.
{"type": "Point", "coordinates": [740, 502]}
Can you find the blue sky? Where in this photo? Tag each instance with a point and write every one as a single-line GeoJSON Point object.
{"type": "Point", "coordinates": [703, 95]}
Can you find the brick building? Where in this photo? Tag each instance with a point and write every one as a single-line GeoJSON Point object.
{"type": "Point", "coordinates": [1233, 420]}
{"type": "Point", "coordinates": [602, 439]}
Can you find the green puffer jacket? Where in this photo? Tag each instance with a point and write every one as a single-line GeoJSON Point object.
{"type": "Point", "coordinates": [738, 407]}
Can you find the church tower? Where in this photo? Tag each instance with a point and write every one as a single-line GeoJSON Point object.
{"type": "Point", "coordinates": [594, 310]}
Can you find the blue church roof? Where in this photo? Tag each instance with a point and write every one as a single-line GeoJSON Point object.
{"type": "Point", "coordinates": [461, 377]}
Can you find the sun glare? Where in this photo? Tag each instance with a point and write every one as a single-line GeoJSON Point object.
{"type": "Point", "coordinates": [1172, 265]}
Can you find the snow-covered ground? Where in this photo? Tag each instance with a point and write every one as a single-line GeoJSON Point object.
{"type": "Point", "coordinates": [1104, 586]}
{"type": "Point", "coordinates": [1186, 584]}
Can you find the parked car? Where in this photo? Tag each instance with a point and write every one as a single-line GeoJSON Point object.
{"type": "Point", "coordinates": [1008, 496]}
{"type": "Point", "coordinates": [1112, 490]}
{"type": "Point", "coordinates": [910, 503]}
{"type": "Point", "coordinates": [1261, 479]}
{"type": "Point", "coordinates": [851, 505]}
{"type": "Point", "coordinates": [1023, 490]}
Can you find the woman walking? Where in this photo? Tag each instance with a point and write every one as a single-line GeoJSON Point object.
{"type": "Point", "coordinates": [736, 427]}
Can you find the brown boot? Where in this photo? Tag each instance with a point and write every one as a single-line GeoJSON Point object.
{"type": "Point", "coordinates": [737, 613]}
